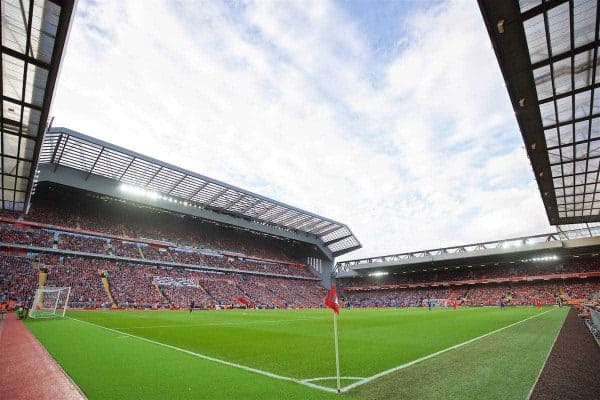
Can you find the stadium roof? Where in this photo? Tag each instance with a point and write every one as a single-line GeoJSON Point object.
{"type": "Point", "coordinates": [548, 54]}
{"type": "Point", "coordinates": [33, 37]}
{"type": "Point", "coordinates": [576, 231]}
{"type": "Point", "coordinates": [494, 251]}
{"type": "Point", "coordinates": [64, 147]}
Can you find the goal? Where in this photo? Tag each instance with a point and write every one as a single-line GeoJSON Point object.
{"type": "Point", "coordinates": [50, 302]}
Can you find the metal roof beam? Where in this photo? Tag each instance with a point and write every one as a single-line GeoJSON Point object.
{"type": "Point", "coordinates": [176, 184]}
{"type": "Point", "coordinates": [544, 7]}
{"type": "Point", "coordinates": [290, 218]}
{"type": "Point", "coordinates": [265, 211]}
{"type": "Point", "coordinates": [235, 200]}
{"type": "Point", "coordinates": [328, 231]}
{"type": "Point", "coordinates": [21, 103]}
{"type": "Point", "coordinates": [274, 216]}
{"type": "Point", "coordinates": [332, 241]}
{"type": "Point", "coordinates": [345, 251]}
{"type": "Point", "coordinates": [312, 225]}
{"type": "Point", "coordinates": [248, 207]}
{"type": "Point", "coordinates": [95, 162]}
{"type": "Point", "coordinates": [216, 196]}
{"type": "Point", "coordinates": [126, 169]}
{"type": "Point", "coordinates": [26, 59]}
{"type": "Point", "coordinates": [62, 150]}
{"type": "Point", "coordinates": [301, 221]}
{"type": "Point", "coordinates": [572, 93]}
{"type": "Point", "coordinates": [202, 186]}
{"type": "Point", "coordinates": [153, 176]}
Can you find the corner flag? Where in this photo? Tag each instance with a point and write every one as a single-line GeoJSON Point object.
{"type": "Point", "coordinates": [332, 302]}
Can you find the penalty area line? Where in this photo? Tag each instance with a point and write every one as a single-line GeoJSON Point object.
{"type": "Point", "coordinates": [213, 359]}
{"type": "Point", "coordinates": [437, 353]}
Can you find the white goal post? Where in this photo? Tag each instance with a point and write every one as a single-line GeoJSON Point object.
{"type": "Point", "coordinates": [50, 302]}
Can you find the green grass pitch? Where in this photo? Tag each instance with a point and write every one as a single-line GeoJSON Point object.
{"type": "Point", "coordinates": [275, 354]}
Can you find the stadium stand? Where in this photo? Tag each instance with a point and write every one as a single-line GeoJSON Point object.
{"type": "Point", "coordinates": [83, 244]}
{"type": "Point", "coordinates": [83, 276]}
{"type": "Point", "coordinates": [131, 286]}
{"type": "Point", "coordinates": [18, 279]}
{"type": "Point", "coordinates": [521, 282]}
{"type": "Point", "coordinates": [124, 219]}
{"type": "Point", "coordinates": [139, 286]}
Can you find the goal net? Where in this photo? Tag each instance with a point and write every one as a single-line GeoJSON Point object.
{"type": "Point", "coordinates": [50, 302]}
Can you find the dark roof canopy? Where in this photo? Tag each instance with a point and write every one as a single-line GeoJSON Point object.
{"type": "Point", "coordinates": [159, 180]}
{"type": "Point", "coordinates": [33, 37]}
{"type": "Point", "coordinates": [548, 54]}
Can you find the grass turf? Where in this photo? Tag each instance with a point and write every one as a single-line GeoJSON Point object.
{"type": "Point", "coordinates": [296, 344]}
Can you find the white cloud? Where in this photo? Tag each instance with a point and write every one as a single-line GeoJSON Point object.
{"type": "Point", "coordinates": [281, 99]}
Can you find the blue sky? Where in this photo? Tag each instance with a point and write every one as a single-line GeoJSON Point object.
{"type": "Point", "coordinates": [389, 116]}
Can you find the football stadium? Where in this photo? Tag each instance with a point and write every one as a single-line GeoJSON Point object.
{"type": "Point", "coordinates": [123, 276]}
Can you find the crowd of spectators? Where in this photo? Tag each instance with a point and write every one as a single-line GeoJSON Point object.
{"type": "Point", "coordinates": [38, 237]}
{"type": "Point", "coordinates": [583, 290]}
{"type": "Point", "coordinates": [125, 249]}
{"type": "Point", "coordinates": [124, 219]}
{"type": "Point", "coordinates": [73, 210]}
{"type": "Point", "coordinates": [84, 278]}
{"type": "Point", "coordinates": [153, 253]}
{"type": "Point", "coordinates": [18, 279]}
{"type": "Point", "coordinates": [83, 243]}
{"type": "Point", "coordinates": [518, 294]}
{"type": "Point", "coordinates": [507, 270]}
{"type": "Point", "coordinates": [131, 286]}
{"type": "Point", "coordinates": [89, 244]}
{"type": "Point", "coordinates": [139, 286]}
{"type": "Point", "coordinates": [395, 297]}
{"type": "Point", "coordinates": [522, 293]}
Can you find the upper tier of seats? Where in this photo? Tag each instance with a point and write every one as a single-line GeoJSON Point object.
{"type": "Point", "coordinates": [10, 233]}
{"type": "Point", "coordinates": [62, 207]}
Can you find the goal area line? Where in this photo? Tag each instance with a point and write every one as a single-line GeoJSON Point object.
{"type": "Point", "coordinates": [309, 381]}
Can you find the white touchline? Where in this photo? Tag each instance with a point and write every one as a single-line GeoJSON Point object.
{"type": "Point", "coordinates": [544, 364]}
{"type": "Point", "coordinates": [418, 360]}
{"type": "Point", "coordinates": [217, 360]}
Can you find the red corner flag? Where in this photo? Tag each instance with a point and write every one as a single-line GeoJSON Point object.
{"type": "Point", "coordinates": [331, 301]}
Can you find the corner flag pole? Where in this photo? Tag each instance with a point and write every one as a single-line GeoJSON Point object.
{"type": "Point", "coordinates": [337, 352]}
{"type": "Point", "coordinates": [332, 302]}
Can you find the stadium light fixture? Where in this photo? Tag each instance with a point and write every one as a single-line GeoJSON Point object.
{"type": "Point", "coordinates": [378, 273]}
{"type": "Point", "coordinates": [137, 191]}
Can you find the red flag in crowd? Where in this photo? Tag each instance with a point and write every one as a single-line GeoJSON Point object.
{"type": "Point", "coordinates": [244, 301]}
{"type": "Point", "coordinates": [331, 301]}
